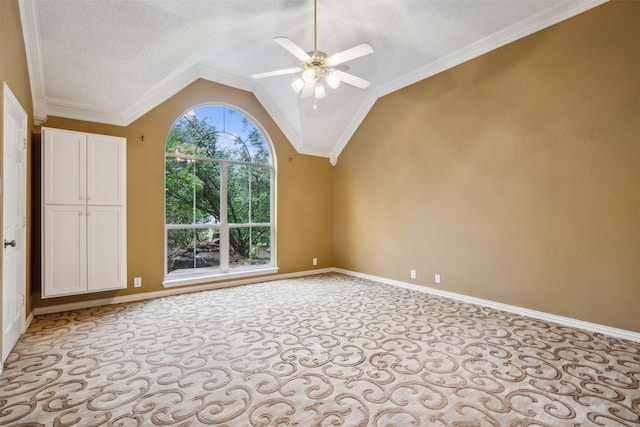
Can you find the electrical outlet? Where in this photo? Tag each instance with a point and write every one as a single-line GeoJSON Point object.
{"type": "Point", "coordinates": [137, 282]}
{"type": "Point", "coordinates": [315, 261]}
{"type": "Point", "coordinates": [412, 273]}
{"type": "Point", "coordinates": [437, 278]}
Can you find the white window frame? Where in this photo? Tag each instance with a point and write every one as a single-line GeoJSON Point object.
{"type": "Point", "coordinates": [225, 272]}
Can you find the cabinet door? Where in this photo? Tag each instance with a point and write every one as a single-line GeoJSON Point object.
{"type": "Point", "coordinates": [64, 167]}
{"type": "Point", "coordinates": [106, 170]}
{"type": "Point", "coordinates": [65, 240]}
{"type": "Point", "coordinates": [106, 248]}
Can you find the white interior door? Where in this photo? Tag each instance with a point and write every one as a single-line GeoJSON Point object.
{"type": "Point", "coordinates": [13, 220]}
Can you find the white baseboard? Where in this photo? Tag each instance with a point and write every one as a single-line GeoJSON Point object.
{"type": "Point", "coordinates": [27, 322]}
{"type": "Point", "coordinates": [565, 321]}
{"type": "Point", "coordinates": [172, 291]}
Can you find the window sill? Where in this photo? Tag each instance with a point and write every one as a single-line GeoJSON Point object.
{"type": "Point", "coordinates": [208, 278]}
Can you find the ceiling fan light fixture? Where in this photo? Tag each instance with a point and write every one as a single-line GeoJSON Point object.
{"type": "Point", "coordinates": [309, 75]}
{"type": "Point", "coordinates": [297, 85]}
{"type": "Point", "coordinates": [316, 67]}
{"type": "Point", "coordinates": [333, 80]}
{"type": "Point", "coordinates": [319, 91]}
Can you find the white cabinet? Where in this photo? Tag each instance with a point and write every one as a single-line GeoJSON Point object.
{"type": "Point", "coordinates": [65, 234]}
{"type": "Point", "coordinates": [84, 213]}
{"type": "Point", "coordinates": [106, 170]}
{"type": "Point", "coordinates": [64, 168]}
{"type": "Point", "coordinates": [82, 168]}
{"type": "Point", "coordinates": [106, 248]}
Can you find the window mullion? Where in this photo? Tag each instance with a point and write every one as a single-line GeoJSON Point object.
{"type": "Point", "coordinates": [195, 261]}
{"type": "Point", "coordinates": [224, 221]}
{"type": "Point", "coordinates": [250, 177]}
{"type": "Point", "coordinates": [193, 190]}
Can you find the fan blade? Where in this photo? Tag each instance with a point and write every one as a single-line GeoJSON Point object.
{"type": "Point", "coordinates": [352, 80]}
{"type": "Point", "coordinates": [348, 55]}
{"type": "Point", "coordinates": [293, 48]}
{"type": "Point", "coordinates": [308, 89]}
{"type": "Point", "coordinates": [276, 73]}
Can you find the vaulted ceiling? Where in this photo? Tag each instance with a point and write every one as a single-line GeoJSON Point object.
{"type": "Point", "coordinates": [111, 61]}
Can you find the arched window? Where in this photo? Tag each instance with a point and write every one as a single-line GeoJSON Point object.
{"type": "Point", "coordinates": [219, 201]}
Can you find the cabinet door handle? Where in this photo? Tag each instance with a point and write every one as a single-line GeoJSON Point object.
{"type": "Point", "coordinates": [11, 243]}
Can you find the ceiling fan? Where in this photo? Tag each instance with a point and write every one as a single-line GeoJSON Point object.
{"type": "Point", "coordinates": [316, 67]}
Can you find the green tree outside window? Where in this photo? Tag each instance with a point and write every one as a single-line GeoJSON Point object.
{"type": "Point", "coordinates": [214, 152]}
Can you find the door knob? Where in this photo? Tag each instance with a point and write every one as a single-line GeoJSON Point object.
{"type": "Point", "coordinates": [11, 243]}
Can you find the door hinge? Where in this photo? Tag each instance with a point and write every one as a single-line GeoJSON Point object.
{"type": "Point", "coordinates": [24, 221]}
{"type": "Point", "coordinates": [24, 142]}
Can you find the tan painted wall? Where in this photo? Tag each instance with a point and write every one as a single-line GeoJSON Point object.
{"type": "Point", "coordinates": [303, 189]}
{"type": "Point", "coordinates": [516, 176]}
{"type": "Point", "coordinates": [14, 71]}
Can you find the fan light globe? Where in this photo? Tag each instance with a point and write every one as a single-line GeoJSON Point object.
{"type": "Point", "coordinates": [309, 75]}
{"type": "Point", "coordinates": [316, 66]}
{"type": "Point", "coordinates": [319, 91]}
{"type": "Point", "coordinates": [333, 80]}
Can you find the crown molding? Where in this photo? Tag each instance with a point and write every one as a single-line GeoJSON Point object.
{"type": "Point", "coordinates": [31, 36]}
{"type": "Point", "coordinates": [527, 26]}
{"type": "Point", "coordinates": [274, 112]}
{"type": "Point", "coordinates": [510, 34]}
{"type": "Point", "coordinates": [190, 71]}
{"type": "Point", "coordinates": [77, 111]}
{"type": "Point", "coordinates": [250, 86]}
{"type": "Point", "coordinates": [314, 151]}
{"type": "Point", "coordinates": [352, 126]}
{"type": "Point", "coordinates": [160, 93]}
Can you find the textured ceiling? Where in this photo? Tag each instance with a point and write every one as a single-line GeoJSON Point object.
{"type": "Point", "coordinates": [111, 61]}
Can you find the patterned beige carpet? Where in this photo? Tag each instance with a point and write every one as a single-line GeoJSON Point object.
{"type": "Point", "coordinates": [327, 350]}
